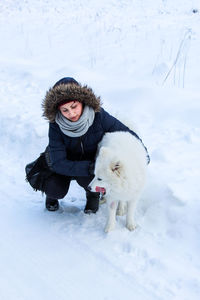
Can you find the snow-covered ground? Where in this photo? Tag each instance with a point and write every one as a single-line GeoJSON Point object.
{"type": "Point", "coordinates": [143, 58]}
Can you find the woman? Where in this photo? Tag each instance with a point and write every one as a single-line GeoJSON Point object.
{"type": "Point", "coordinates": [77, 123]}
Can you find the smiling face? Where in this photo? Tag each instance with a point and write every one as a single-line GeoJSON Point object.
{"type": "Point", "coordinates": [72, 110]}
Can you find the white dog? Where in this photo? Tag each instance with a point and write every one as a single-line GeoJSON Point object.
{"type": "Point", "coordinates": [120, 172]}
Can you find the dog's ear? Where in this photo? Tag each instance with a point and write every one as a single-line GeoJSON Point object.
{"type": "Point", "coordinates": [116, 167]}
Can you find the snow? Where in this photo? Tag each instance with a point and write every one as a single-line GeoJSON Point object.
{"type": "Point", "coordinates": [143, 58]}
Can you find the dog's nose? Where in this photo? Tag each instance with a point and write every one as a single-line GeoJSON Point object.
{"type": "Point", "coordinates": [89, 188]}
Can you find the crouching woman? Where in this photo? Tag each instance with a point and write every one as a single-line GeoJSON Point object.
{"type": "Point", "coordinates": [77, 123]}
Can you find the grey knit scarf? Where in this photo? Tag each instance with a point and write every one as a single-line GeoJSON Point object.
{"type": "Point", "coordinates": [78, 128]}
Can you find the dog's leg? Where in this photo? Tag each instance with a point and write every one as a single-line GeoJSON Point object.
{"type": "Point", "coordinates": [130, 224]}
{"type": "Point", "coordinates": [122, 208]}
{"type": "Point", "coordinates": [112, 208]}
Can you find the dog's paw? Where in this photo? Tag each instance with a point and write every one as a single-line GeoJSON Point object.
{"type": "Point", "coordinates": [131, 226]}
{"type": "Point", "coordinates": [102, 200]}
{"type": "Point", "coordinates": [109, 227]}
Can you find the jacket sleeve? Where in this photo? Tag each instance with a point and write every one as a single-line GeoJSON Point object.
{"type": "Point", "coordinates": [59, 161]}
{"type": "Point", "coordinates": [111, 124]}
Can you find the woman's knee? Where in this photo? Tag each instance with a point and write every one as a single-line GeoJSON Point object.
{"type": "Point", "coordinates": [84, 181]}
{"type": "Point", "coordinates": [57, 186]}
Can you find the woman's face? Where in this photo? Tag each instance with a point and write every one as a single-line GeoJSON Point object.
{"type": "Point", "coordinates": [72, 110]}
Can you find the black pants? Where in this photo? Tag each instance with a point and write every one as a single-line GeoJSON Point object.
{"type": "Point", "coordinates": [57, 185]}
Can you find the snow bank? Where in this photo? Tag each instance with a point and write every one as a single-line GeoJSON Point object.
{"type": "Point", "coordinates": [143, 58]}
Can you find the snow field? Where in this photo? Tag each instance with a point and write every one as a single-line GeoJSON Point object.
{"type": "Point", "coordinates": [143, 58]}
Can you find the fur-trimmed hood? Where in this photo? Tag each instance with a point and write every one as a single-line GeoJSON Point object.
{"type": "Point", "coordinates": [65, 92]}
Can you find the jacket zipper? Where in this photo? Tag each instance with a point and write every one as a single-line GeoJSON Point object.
{"type": "Point", "coordinates": [82, 149]}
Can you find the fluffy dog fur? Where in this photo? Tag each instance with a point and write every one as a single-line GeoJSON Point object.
{"type": "Point", "coordinates": [120, 169]}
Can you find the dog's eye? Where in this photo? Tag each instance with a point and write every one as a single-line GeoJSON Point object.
{"type": "Point", "coordinates": [99, 179]}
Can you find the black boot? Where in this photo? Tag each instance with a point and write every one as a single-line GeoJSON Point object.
{"type": "Point", "coordinates": [51, 204]}
{"type": "Point", "coordinates": [92, 204]}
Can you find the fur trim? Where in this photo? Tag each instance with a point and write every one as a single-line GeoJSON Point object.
{"type": "Point", "coordinates": [64, 92]}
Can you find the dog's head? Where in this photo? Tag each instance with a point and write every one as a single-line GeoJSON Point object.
{"type": "Point", "coordinates": [108, 172]}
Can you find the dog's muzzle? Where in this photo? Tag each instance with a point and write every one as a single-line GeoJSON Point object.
{"type": "Point", "coordinates": [100, 190]}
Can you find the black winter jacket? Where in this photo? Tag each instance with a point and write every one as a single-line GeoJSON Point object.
{"type": "Point", "coordinates": [72, 156]}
